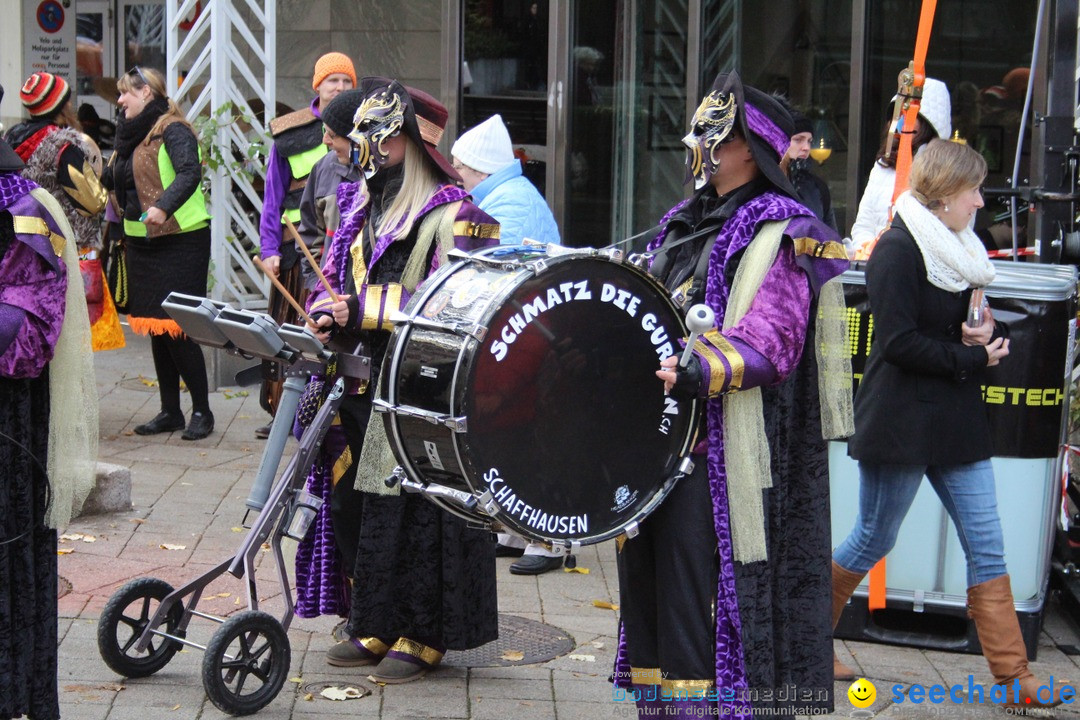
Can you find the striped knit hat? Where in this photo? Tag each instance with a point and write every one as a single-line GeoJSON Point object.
{"type": "Point", "coordinates": [44, 94]}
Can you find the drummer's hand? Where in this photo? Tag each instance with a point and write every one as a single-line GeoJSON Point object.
{"type": "Point", "coordinates": [667, 372]}
{"type": "Point", "coordinates": [322, 328]}
{"type": "Point", "coordinates": [341, 310]}
{"type": "Point", "coordinates": [273, 265]}
{"type": "Point", "coordinates": [980, 335]}
{"type": "Point", "coordinates": [996, 350]}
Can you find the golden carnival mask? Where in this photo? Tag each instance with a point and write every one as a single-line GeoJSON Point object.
{"type": "Point", "coordinates": [711, 127]}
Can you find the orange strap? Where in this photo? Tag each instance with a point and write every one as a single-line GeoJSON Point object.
{"type": "Point", "coordinates": [918, 68]}
{"type": "Point", "coordinates": [877, 586]}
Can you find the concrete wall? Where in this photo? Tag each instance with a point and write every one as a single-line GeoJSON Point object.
{"type": "Point", "coordinates": [396, 38]}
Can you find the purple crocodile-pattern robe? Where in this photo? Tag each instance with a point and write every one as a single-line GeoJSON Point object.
{"type": "Point", "coordinates": [787, 285]}
{"type": "Point", "coordinates": [33, 282]}
{"type": "Point", "coordinates": [321, 585]}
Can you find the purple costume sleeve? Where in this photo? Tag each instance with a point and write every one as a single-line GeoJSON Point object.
{"type": "Point", "coordinates": [31, 311]}
{"type": "Point", "coordinates": [278, 177]}
{"type": "Point", "coordinates": [774, 329]}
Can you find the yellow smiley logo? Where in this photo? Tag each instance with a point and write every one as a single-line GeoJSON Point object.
{"type": "Point", "coordinates": [862, 693]}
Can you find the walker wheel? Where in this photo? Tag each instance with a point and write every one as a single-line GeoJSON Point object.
{"type": "Point", "coordinates": [125, 618]}
{"type": "Point", "coordinates": [246, 663]}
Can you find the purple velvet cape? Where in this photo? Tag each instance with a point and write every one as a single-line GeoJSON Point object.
{"type": "Point", "coordinates": [33, 282]}
{"type": "Point", "coordinates": [321, 586]}
{"type": "Point", "coordinates": [786, 290]}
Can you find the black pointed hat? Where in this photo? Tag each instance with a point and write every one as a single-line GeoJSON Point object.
{"type": "Point", "coordinates": [764, 123]}
{"type": "Point", "coordinates": [9, 161]}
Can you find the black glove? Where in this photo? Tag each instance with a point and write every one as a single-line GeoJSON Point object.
{"type": "Point", "coordinates": [687, 381]}
{"type": "Point", "coordinates": [353, 304]}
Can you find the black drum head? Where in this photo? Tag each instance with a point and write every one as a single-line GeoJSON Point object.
{"type": "Point", "coordinates": [568, 425]}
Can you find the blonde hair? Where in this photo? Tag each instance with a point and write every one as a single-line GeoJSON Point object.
{"type": "Point", "coordinates": [140, 77]}
{"type": "Point", "coordinates": [417, 187]}
{"type": "Point", "coordinates": [944, 168]}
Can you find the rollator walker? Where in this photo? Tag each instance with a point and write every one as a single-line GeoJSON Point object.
{"type": "Point", "coordinates": [246, 660]}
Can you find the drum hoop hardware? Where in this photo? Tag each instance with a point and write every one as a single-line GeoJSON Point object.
{"type": "Point", "coordinates": [457, 424]}
{"type": "Point", "coordinates": [462, 498]}
{"type": "Point", "coordinates": [473, 330]}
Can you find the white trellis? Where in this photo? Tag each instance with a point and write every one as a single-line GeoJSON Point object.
{"type": "Point", "coordinates": [227, 56]}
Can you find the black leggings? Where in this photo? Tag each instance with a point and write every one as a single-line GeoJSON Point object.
{"type": "Point", "coordinates": [176, 358]}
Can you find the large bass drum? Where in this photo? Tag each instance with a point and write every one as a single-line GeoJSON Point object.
{"type": "Point", "coordinates": [520, 388]}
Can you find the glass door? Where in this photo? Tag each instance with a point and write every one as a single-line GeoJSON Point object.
{"type": "Point", "coordinates": [142, 34]}
{"type": "Point", "coordinates": [505, 72]}
{"type": "Point", "coordinates": [95, 88]}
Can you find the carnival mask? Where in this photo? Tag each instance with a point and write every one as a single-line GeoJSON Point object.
{"type": "Point", "coordinates": [712, 126]}
{"type": "Point", "coordinates": [379, 118]}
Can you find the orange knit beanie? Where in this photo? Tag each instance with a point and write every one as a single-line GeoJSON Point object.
{"type": "Point", "coordinates": [329, 64]}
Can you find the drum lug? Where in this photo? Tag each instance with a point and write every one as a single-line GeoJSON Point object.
{"type": "Point", "coordinates": [458, 497]}
{"type": "Point", "coordinates": [632, 530]}
{"type": "Point", "coordinates": [686, 467]}
{"type": "Point", "coordinates": [457, 424]}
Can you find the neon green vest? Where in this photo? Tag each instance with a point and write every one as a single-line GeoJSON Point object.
{"type": "Point", "coordinates": [301, 165]}
{"type": "Point", "coordinates": [192, 215]}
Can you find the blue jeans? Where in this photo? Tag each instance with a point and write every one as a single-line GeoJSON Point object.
{"type": "Point", "coordinates": [885, 496]}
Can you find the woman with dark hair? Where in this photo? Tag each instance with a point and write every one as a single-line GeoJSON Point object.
{"type": "Point", "coordinates": [156, 174]}
{"type": "Point", "coordinates": [919, 409]}
{"type": "Point", "coordinates": [934, 121]}
{"type": "Point", "coordinates": [423, 582]}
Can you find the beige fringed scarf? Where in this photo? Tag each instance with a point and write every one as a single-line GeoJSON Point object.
{"type": "Point", "coordinates": [749, 470]}
{"type": "Point", "coordinates": [73, 392]}
{"type": "Point", "coordinates": [377, 461]}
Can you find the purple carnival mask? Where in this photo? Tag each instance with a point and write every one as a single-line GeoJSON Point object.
{"type": "Point", "coordinates": [712, 126]}
{"type": "Point", "coordinates": [379, 118]}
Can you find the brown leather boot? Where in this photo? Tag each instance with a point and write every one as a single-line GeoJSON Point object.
{"type": "Point", "coordinates": [990, 605]}
{"type": "Point", "coordinates": [844, 583]}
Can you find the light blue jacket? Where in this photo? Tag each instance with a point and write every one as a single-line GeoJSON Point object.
{"type": "Point", "coordinates": [520, 209]}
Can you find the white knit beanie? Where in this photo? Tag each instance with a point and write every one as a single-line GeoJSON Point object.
{"type": "Point", "coordinates": [935, 107]}
{"type": "Point", "coordinates": [486, 147]}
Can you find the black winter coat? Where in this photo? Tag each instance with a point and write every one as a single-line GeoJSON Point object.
{"type": "Point", "coordinates": [920, 398]}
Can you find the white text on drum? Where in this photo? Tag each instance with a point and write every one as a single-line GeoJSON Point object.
{"type": "Point", "coordinates": [571, 291]}
{"type": "Point", "coordinates": [533, 517]}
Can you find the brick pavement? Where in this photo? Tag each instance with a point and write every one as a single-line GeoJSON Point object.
{"type": "Point", "coordinates": [192, 495]}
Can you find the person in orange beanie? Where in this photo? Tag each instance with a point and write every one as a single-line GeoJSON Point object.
{"type": "Point", "coordinates": [298, 145]}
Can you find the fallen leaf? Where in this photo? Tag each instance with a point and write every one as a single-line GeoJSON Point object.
{"type": "Point", "coordinates": [237, 529]}
{"type": "Point", "coordinates": [342, 693]}
{"type": "Point", "coordinates": [581, 570]}
{"type": "Point", "coordinates": [115, 687]}
{"type": "Point", "coordinates": [170, 546]}
{"type": "Point", "coordinates": [605, 605]}
{"type": "Point", "coordinates": [582, 658]}
{"type": "Point", "coordinates": [78, 536]}
{"type": "Point", "coordinates": [64, 551]}
{"type": "Point", "coordinates": [188, 484]}
{"type": "Point", "coordinates": [296, 680]}
{"type": "Point", "coordinates": [137, 521]}
{"type": "Point", "coordinates": [176, 707]}
{"type": "Point", "coordinates": [128, 433]}
{"type": "Point", "coordinates": [237, 601]}
{"type": "Point", "coordinates": [309, 697]}
{"type": "Point", "coordinates": [223, 594]}
{"type": "Point", "coordinates": [597, 644]}
{"type": "Point", "coordinates": [513, 655]}
{"type": "Point", "coordinates": [149, 383]}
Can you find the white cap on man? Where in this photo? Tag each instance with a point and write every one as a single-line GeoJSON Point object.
{"type": "Point", "coordinates": [486, 147]}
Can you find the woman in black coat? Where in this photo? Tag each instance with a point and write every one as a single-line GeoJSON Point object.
{"type": "Point", "coordinates": [155, 173]}
{"type": "Point", "coordinates": [919, 409]}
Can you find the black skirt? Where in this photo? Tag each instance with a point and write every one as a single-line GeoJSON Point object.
{"type": "Point", "coordinates": [28, 635]}
{"type": "Point", "coordinates": [159, 266]}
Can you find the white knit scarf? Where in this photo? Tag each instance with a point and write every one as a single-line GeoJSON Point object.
{"type": "Point", "coordinates": [954, 261]}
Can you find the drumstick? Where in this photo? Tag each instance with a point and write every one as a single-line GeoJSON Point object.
{"type": "Point", "coordinates": [284, 292]}
{"type": "Point", "coordinates": [311, 259]}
